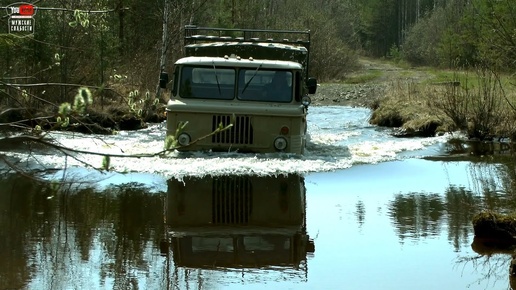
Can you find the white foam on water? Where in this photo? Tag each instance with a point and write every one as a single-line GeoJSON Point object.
{"type": "Point", "coordinates": [340, 137]}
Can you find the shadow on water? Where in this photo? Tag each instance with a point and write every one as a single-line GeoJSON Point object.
{"type": "Point", "coordinates": [422, 215]}
{"type": "Point", "coordinates": [50, 234]}
{"type": "Point", "coordinates": [493, 169]}
{"type": "Point", "coordinates": [493, 260]}
{"type": "Point", "coordinates": [128, 236]}
{"type": "Point", "coordinates": [472, 150]}
{"type": "Point", "coordinates": [419, 215]}
{"type": "Point", "coordinates": [237, 222]}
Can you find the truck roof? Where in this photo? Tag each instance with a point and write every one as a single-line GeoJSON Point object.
{"type": "Point", "coordinates": [271, 45]}
{"type": "Point", "coordinates": [195, 34]}
{"type": "Point", "coordinates": [239, 62]}
{"type": "Point", "coordinates": [246, 50]}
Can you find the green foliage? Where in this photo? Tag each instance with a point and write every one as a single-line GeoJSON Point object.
{"type": "Point", "coordinates": [221, 15]}
{"type": "Point", "coordinates": [422, 41]}
{"type": "Point", "coordinates": [37, 130]}
{"type": "Point", "coordinates": [496, 41]}
{"type": "Point", "coordinates": [465, 33]}
{"type": "Point", "coordinates": [478, 106]}
{"type": "Point", "coordinates": [79, 103]}
{"type": "Point", "coordinates": [458, 45]}
{"type": "Point", "coordinates": [65, 109]}
{"type": "Point", "coordinates": [395, 54]}
{"type": "Point", "coordinates": [86, 95]}
{"type": "Point", "coordinates": [171, 140]}
{"type": "Point", "coordinates": [106, 161]}
{"type": "Point", "coordinates": [82, 100]}
{"type": "Point", "coordinates": [81, 17]}
{"type": "Point", "coordinates": [142, 105]}
{"type": "Point", "coordinates": [381, 31]}
{"type": "Point", "coordinates": [368, 76]}
{"type": "Point", "coordinates": [331, 58]}
{"type": "Point", "coordinates": [65, 123]}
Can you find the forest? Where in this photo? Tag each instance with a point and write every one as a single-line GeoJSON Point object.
{"type": "Point", "coordinates": [116, 47]}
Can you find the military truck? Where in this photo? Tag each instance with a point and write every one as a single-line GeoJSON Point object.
{"type": "Point", "coordinates": [253, 83]}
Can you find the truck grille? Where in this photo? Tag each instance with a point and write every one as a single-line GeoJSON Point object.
{"type": "Point", "coordinates": [240, 133]}
{"type": "Point", "coordinates": [232, 200]}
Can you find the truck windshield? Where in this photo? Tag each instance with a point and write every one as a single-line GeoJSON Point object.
{"type": "Point", "coordinates": [207, 83]}
{"type": "Point", "coordinates": [265, 85]}
{"type": "Point", "coordinates": [219, 83]}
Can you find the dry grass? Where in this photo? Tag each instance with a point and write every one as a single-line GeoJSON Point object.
{"type": "Point", "coordinates": [488, 224]}
{"type": "Point", "coordinates": [483, 105]}
{"type": "Point", "coordinates": [406, 105]}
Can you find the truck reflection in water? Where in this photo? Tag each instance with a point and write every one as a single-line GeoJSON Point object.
{"type": "Point", "coordinates": [237, 222]}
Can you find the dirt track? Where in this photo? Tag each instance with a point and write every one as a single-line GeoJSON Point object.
{"type": "Point", "coordinates": [365, 94]}
{"type": "Point", "coordinates": [346, 95]}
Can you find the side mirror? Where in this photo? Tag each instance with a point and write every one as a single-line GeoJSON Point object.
{"type": "Point", "coordinates": [311, 84]}
{"type": "Point", "coordinates": [163, 80]}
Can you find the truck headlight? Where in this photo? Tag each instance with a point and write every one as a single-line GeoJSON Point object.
{"type": "Point", "coordinates": [306, 101]}
{"type": "Point", "coordinates": [280, 143]}
{"type": "Point", "coordinates": [183, 139]}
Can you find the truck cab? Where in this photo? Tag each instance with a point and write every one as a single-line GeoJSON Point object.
{"type": "Point", "coordinates": [256, 88]}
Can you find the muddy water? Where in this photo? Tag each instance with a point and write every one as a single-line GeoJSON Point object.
{"type": "Point", "coordinates": [361, 210]}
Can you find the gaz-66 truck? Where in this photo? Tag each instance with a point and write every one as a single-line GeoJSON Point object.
{"type": "Point", "coordinates": [254, 80]}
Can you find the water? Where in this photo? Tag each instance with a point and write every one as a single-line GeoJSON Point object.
{"type": "Point", "coordinates": [361, 210]}
{"type": "Point", "coordinates": [340, 137]}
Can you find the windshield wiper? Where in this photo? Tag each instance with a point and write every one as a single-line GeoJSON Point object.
{"type": "Point", "coordinates": [216, 78]}
{"type": "Point", "coordinates": [247, 84]}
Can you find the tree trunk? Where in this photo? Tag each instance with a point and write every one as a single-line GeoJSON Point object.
{"type": "Point", "coordinates": [121, 14]}
{"type": "Point", "coordinates": [164, 42]}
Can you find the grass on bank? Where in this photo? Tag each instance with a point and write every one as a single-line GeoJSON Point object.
{"type": "Point", "coordinates": [405, 105]}
{"type": "Point", "coordinates": [362, 78]}
{"type": "Point", "coordinates": [487, 224]}
{"type": "Point", "coordinates": [480, 103]}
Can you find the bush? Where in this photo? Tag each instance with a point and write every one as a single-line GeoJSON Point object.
{"type": "Point", "coordinates": [421, 44]}
{"type": "Point", "coordinates": [332, 60]}
{"type": "Point", "coordinates": [479, 106]}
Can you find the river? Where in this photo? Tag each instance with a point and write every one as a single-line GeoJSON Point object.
{"type": "Point", "coordinates": [360, 210]}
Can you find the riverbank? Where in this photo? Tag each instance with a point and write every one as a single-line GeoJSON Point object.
{"type": "Point", "coordinates": [383, 87]}
{"type": "Point", "coordinates": [422, 102]}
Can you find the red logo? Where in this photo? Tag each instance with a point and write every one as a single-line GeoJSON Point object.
{"type": "Point", "coordinates": [21, 9]}
{"type": "Point", "coordinates": [26, 10]}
